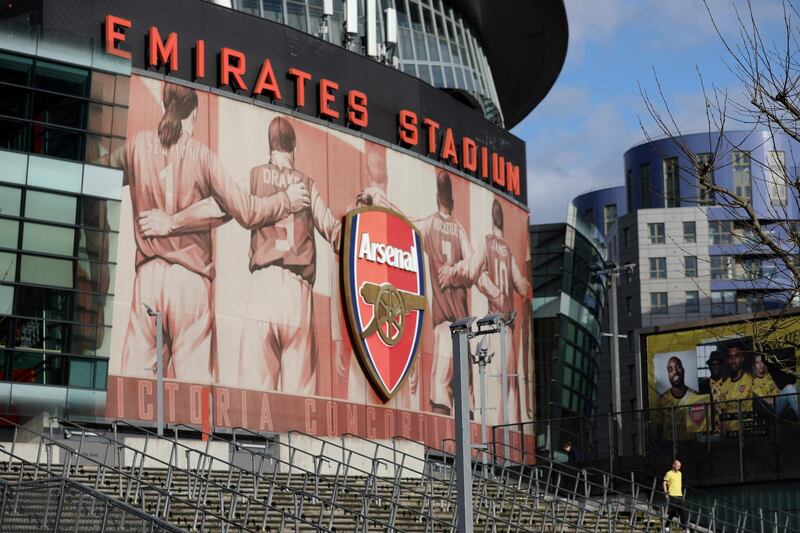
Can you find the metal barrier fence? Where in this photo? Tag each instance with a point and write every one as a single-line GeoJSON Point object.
{"type": "Point", "coordinates": [718, 443]}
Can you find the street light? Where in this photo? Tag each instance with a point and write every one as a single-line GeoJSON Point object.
{"type": "Point", "coordinates": [158, 368]}
{"type": "Point", "coordinates": [497, 323]}
{"type": "Point", "coordinates": [461, 332]}
{"type": "Point", "coordinates": [611, 270]}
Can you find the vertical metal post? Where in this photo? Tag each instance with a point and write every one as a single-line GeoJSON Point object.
{"type": "Point", "coordinates": [484, 436]}
{"type": "Point", "coordinates": [616, 386]}
{"type": "Point", "coordinates": [741, 439]}
{"type": "Point", "coordinates": [459, 332]}
{"type": "Point", "coordinates": [504, 377]}
{"type": "Point", "coordinates": [160, 373]}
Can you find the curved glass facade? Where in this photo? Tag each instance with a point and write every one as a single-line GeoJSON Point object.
{"type": "Point", "coordinates": [568, 308]}
{"type": "Point", "coordinates": [434, 43]}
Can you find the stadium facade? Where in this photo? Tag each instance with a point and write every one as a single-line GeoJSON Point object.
{"type": "Point", "coordinates": [196, 162]}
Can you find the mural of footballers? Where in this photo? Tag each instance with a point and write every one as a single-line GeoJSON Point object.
{"type": "Point", "coordinates": [179, 192]}
{"type": "Point", "coordinates": [493, 256]}
{"type": "Point", "coordinates": [688, 420]}
{"type": "Point", "coordinates": [278, 346]}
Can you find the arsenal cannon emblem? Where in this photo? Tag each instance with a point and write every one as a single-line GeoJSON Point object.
{"type": "Point", "coordinates": [384, 283]}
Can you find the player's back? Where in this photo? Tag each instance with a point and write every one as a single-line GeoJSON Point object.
{"type": "Point", "coordinates": [170, 179]}
{"type": "Point", "coordinates": [498, 265]}
{"type": "Point", "coordinates": [290, 241]}
{"type": "Point", "coordinates": [443, 245]}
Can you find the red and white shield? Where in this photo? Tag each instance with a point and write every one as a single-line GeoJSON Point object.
{"type": "Point", "coordinates": [384, 284]}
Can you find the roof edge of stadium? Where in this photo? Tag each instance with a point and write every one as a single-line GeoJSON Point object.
{"type": "Point", "coordinates": [525, 41]}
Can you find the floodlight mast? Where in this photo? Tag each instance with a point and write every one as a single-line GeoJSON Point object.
{"type": "Point", "coordinates": [461, 332]}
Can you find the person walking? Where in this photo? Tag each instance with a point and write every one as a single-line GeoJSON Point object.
{"type": "Point", "coordinates": [673, 488]}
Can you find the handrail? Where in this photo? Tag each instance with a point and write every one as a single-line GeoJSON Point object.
{"type": "Point", "coordinates": [292, 466]}
{"type": "Point", "coordinates": [116, 471]}
{"type": "Point", "coordinates": [268, 508]}
{"type": "Point", "coordinates": [92, 493]}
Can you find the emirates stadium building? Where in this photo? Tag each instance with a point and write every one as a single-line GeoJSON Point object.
{"type": "Point", "coordinates": [289, 200]}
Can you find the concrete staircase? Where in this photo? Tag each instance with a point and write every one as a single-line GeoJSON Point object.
{"type": "Point", "coordinates": [297, 503]}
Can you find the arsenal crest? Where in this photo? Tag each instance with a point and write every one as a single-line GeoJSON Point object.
{"type": "Point", "coordinates": [384, 284]}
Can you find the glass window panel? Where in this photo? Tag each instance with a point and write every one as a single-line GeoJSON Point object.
{"type": "Point", "coordinates": [705, 178]}
{"type": "Point", "coordinates": [9, 233]}
{"type": "Point", "coordinates": [98, 150]}
{"type": "Point", "coordinates": [116, 144]}
{"type": "Point", "coordinates": [60, 110]}
{"type": "Point", "coordinates": [102, 87]}
{"type": "Point", "coordinates": [98, 213]}
{"type": "Point", "coordinates": [15, 69]}
{"type": "Point", "coordinates": [55, 174]}
{"type": "Point", "coordinates": [8, 266]}
{"type": "Point", "coordinates": [27, 367]}
{"type": "Point", "coordinates": [48, 239]}
{"type": "Point", "coordinates": [656, 231]}
{"type": "Point", "coordinates": [52, 207]}
{"type": "Point", "coordinates": [433, 47]}
{"type": "Point", "coordinates": [672, 191]}
{"type": "Point", "coordinates": [297, 15]}
{"type": "Point", "coordinates": [100, 373]}
{"type": "Point", "coordinates": [41, 334]}
{"type": "Point", "coordinates": [419, 46]}
{"type": "Point", "coordinates": [122, 90]}
{"type": "Point", "coordinates": [100, 118]}
{"type": "Point", "coordinates": [88, 339]}
{"type": "Point", "coordinates": [778, 179]}
{"type": "Point", "coordinates": [692, 301]}
{"type": "Point", "coordinates": [94, 276]}
{"type": "Point", "coordinates": [92, 308]}
{"type": "Point", "coordinates": [81, 372]}
{"type": "Point", "coordinates": [102, 181]}
{"type": "Point", "coordinates": [61, 78]}
{"type": "Point", "coordinates": [424, 73]}
{"type": "Point", "coordinates": [56, 142]}
{"type": "Point", "coordinates": [14, 135]}
{"type": "Point", "coordinates": [689, 232]}
{"type": "Point", "coordinates": [6, 299]}
{"type": "Point", "coordinates": [43, 302]}
{"type": "Point", "coordinates": [741, 174]}
{"type": "Point", "coordinates": [248, 6]}
{"type": "Point", "coordinates": [690, 266]}
{"type": "Point", "coordinates": [46, 271]}
{"type": "Point", "coordinates": [97, 245]}
{"type": "Point", "coordinates": [13, 169]}
{"type": "Point", "coordinates": [9, 199]}
{"type": "Point", "coordinates": [404, 43]}
{"type": "Point", "coordinates": [315, 20]}
{"type": "Point", "coordinates": [273, 9]}
{"type": "Point", "coordinates": [14, 101]}
{"type": "Point", "coordinates": [438, 76]}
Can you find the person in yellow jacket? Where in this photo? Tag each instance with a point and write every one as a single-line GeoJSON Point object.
{"type": "Point", "coordinates": [673, 488]}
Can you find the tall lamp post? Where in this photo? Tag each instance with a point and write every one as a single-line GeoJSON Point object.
{"type": "Point", "coordinates": [611, 270]}
{"type": "Point", "coordinates": [158, 368]}
{"type": "Point", "coordinates": [461, 331]}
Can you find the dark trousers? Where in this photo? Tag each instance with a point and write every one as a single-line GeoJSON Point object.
{"type": "Point", "coordinates": [676, 508]}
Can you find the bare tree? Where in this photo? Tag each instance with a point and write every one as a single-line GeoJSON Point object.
{"type": "Point", "coordinates": [766, 103]}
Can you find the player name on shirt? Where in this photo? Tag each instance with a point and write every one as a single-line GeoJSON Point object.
{"type": "Point", "coordinates": [445, 227]}
{"type": "Point", "coordinates": [278, 177]}
{"type": "Point", "coordinates": [385, 254]}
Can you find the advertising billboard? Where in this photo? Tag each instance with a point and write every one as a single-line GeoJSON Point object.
{"type": "Point", "coordinates": [715, 381]}
{"type": "Point", "coordinates": [231, 227]}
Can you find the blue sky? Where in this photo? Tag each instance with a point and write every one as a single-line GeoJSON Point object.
{"type": "Point", "coordinates": [577, 136]}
